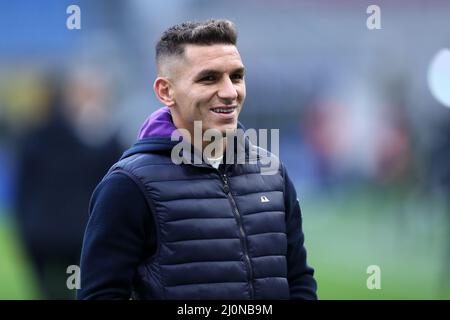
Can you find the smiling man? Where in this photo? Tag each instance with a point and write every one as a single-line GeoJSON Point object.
{"type": "Point", "coordinates": [209, 230]}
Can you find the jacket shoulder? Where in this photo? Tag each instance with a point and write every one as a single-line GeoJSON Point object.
{"type": "Point", "coordinates": [141, 162]}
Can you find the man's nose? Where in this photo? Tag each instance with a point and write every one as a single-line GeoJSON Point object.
{"type": "Point", "coordinates": [227, 90]}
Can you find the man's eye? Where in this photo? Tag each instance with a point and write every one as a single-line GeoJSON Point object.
{"type": "Point", "coordinates": [208, 79]}
{"type": "Point", "coordinates": [237, 77]}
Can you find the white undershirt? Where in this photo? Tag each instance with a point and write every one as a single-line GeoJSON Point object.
{"type": "Point", "coordinates": [215, 162]}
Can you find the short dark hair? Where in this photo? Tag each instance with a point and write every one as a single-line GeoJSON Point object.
{"type": "Point", "coordinates": [174, 39]}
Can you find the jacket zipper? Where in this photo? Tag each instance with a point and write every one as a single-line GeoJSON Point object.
{"type": "Point", "coordinates": [241, 230]}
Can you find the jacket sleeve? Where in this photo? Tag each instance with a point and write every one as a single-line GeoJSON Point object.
{"type": "Point", "coordinates": [118, 237]}
{"type": "Point", "coordinates": [300, 276]}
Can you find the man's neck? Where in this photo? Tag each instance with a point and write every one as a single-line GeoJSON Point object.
{"type": "Point", "coordinates": [215, 151]}
{"type": "Point", "coordinates": [219, 148]}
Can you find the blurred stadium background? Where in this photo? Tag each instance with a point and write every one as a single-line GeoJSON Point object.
{"type": "Point", "coordinates": [365, 141]}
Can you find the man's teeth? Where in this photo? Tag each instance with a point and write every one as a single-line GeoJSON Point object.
{"type": "Point", "coordinates": [223, 110]}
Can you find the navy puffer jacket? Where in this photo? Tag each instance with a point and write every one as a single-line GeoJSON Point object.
{"type": "Point", "coordinates": [227, 233]}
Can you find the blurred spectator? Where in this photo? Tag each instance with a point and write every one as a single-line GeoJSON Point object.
{"type": "Point", "coordinates": [326, 127]}
{"type": "Point", "coordinates": [394, 162]}
{"type": "Point", "coordinates": [59, 163]}
{"type": "Point", "coordinates": [438, 169]}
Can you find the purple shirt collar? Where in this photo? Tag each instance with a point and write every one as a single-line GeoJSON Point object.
{"type": "Point", "coordinates": [158, 124]}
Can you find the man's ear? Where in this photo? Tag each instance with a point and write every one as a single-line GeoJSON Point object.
{"type": "Point", "coordinates": [164, 91]}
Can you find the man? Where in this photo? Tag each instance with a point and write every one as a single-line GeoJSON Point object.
{"type": "Point", "coordinates": [208, 229]}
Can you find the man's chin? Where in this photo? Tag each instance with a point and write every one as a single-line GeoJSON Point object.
{"type": "Point", "coordinates": [227, 129]}
{"type": "Point", "coordinates": [223, 129]}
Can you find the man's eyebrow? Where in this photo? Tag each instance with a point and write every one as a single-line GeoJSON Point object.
{"type": "Point", "coordinates": [209, 72]}
{"type": "Point", "coordinates": [206, 72]}
{"type": "Point", "coordinates": [240, 70]}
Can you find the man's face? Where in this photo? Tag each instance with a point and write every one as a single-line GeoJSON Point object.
{"type": "Point", "coordinates": [208, 85]}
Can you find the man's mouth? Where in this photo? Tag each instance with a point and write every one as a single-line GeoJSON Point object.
{"type": "Point", "coordinates": [224, 110]}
